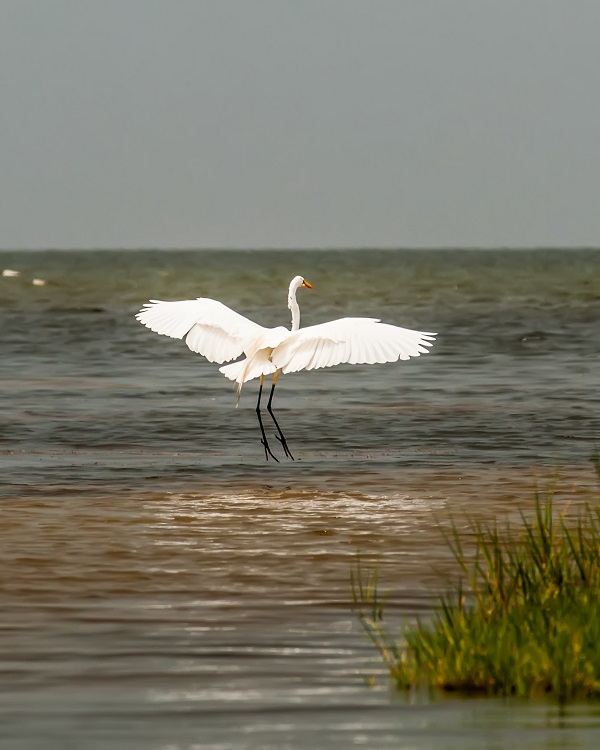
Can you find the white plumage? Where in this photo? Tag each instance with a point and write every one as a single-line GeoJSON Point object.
{"type": "Point", "coordinates": [348, 340]}
{"type": "Point", "coordinates": [220, 334]}
{"type": "Point", "coordinates": [210, 327]}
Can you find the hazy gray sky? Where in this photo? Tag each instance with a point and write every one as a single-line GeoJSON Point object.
{"type": "Point", "coordinates": [285, 123]}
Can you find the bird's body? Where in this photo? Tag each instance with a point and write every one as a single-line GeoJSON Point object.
{"type": "Point", "coordinates": [220, 334]}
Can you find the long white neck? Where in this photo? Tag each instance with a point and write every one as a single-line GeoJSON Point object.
{"type": "Point", "coordinates": [293, 306]}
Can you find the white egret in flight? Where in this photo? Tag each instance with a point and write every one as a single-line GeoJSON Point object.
{"type": "Point", "coordinates": [220, 334]}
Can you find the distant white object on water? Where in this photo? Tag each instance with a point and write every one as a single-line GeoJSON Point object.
{"type": "Point", "coordinates": [10, 272]}
{"type": "Point", "coordinates": [220, 334]}
{"type": "Point", "coordinates": [38, 282]}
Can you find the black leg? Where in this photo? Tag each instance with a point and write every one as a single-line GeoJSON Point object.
{"type": "Point", "coordinates": [262, 429]}
{"type": "Point", "coordinates": [281, 436]}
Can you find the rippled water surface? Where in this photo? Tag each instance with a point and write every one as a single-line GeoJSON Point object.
{"type": "Point", "coordinates": [162, 586]}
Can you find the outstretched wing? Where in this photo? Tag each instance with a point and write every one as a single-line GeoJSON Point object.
{"type": "Point", "coordinates": [210, 327]}
{"type": "Point", "coordinates": [349, 340]}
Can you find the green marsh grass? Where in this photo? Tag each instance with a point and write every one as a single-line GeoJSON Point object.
{"type": "Point", "coordinates": [523, 619]}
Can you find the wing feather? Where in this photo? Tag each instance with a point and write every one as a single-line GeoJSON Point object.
{"type": "Point", "coordinates": [210, 328]}
{"type": "Point", "coordinates": [349, 340]}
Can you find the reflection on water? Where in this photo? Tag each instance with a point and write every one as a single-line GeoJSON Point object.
{"type": "Point", "coordinates": [163, 587]}
{"type": "Point", "coordinates": [224, 621]}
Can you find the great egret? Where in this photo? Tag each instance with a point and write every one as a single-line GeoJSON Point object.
{"type": "Point", "coordinates": [220, 334]}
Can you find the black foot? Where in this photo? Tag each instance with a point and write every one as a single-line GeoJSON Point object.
{"type": "Point", "coordinates": [284, 445]}
{"type": "Point", "coordinates": [268, 451]}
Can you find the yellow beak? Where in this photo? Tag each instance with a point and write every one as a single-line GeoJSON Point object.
{"type": "Point", "coordinates": [305, 283]}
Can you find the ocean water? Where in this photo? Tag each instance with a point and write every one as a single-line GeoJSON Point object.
{"type": "Point", "coordinates": [163, 586]}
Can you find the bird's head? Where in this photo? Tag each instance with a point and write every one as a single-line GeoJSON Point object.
{"type": "Point", "coordinates": [299, 281]}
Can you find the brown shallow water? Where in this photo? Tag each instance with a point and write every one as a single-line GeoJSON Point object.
{"type": "Point", "coordinates": [223, 619]}
{"type": "Point", "coordinates": [162, 587]}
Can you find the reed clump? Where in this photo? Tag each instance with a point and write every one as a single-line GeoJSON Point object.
{"type": "Point", "coordinates": [523, 619]}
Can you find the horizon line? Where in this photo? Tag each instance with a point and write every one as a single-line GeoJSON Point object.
{"type": "Point", "coordinates": [290, 248]}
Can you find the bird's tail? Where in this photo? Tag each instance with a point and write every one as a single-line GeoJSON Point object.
{"type": "Point", "coordinates": [234, 372]}
{"type": "Point", "coordinates": [248, 369]}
